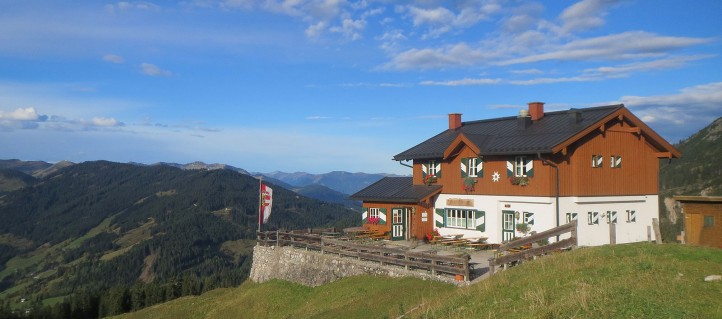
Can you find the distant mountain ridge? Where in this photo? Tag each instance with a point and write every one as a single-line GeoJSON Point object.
{"type": "Point", "coordinates": [344, 182]}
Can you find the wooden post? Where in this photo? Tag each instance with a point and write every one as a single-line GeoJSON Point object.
{"type": "Point", "coordinates": [406, 261]}
{"type": "Point", "coordinates": [657, 232]}
{"type": "Point", "coordinates": [683, 238]}
{"type": "Point", "coordinates": [321, 245]}
{"type": "Point", "coordinates": [467, 275]}
{"type": "Point", "coordinates": [649, 234]}
{"type": "Point", "coordinates": [492, 267]}
{"type": "Point", "coordinates": [612, 233]}
{"type": "Point", "coordinates": [573, 233]}
{"type": "Point", "coordinates": [278, 239]}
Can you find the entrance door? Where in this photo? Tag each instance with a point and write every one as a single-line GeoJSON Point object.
{"type": "Point", "coordinates": [507, 225]}
{"type": "Point", "coordinates": [397, 224]}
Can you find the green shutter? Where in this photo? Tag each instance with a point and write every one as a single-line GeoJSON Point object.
{"type": "Point", "coordinates": [464, 167]}
{"type": "Point", "coordinates": [479, 168]}
{"type": "Point", "coordinates": [382, 216]}
{"type": "Point", "coordinates": [481, 221]}
{"type": "Point", "coordinates": [529, 168]}
{"type": "Point", "coordinates": [364, 215]}
{"type": "Point", "coordinates": [529, 218]}
{"type": "Point", "coordinates": [509, 168]}
{"type": "Point", "coordinates": [438, 169]}
{"type": "Point", "coordinates": [440, 213]}
{"type": "Point", "coordinates": [424, 170]}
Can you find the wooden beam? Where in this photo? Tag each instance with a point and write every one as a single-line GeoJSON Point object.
{"type": "Point", "coordinates": [635, 130]}
{"type": "Point", "coordinates": [564, 151]}
{"type": "Point", "coordinates": [663, 154]}
{"type": "Point", "coordinates": [601, 128]}
{"type": "Point", "coordinates": [621, 118]}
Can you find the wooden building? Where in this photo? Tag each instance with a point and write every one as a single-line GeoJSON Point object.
{"type": "Point", "coordinates": [702, 220]}
{"type": "Point", "coordinates": [482, 178]}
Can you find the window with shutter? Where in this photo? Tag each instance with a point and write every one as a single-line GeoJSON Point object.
{"type": "Point", "coordinates": [464, 167]}
{"type": "Point", "coordinates": [529, 218]}
{"type": "Point", "coordinates": [611, 217]}
{"type": "Point", "coordinates": [597, 161]}
{"type": "Point", "coordinates": [571, 217]}
{"type": "Point", "coordinates": [615, 161]}
{"type": "Point", "coordinates": [439, 219]}
{"type": "Point", "coordinates": [481, 221]}
{"type": "Point", "coordinates": [382, 216]}
{"type": "Point", "coordinates": [521, 167]}
{"type": "Point", "coordinates": [631, 216]}
{"type": "Point", "coordinates": [364, 215]}
{"type": "Point", "coordinates": [593, 218]}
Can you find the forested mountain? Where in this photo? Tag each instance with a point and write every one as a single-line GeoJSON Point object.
{"type": "Point", "coordinates": [103, 238]}
{"type": "Point", "coordinates": [11, 180]}
{"type": "Point", "coordinates": [698, 172]}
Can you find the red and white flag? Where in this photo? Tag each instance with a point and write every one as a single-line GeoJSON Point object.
{"type": "Point", "coordinates": [266, 201]}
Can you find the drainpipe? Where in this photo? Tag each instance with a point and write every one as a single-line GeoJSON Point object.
{"type": "Point", "coordinates": [556, 170]}
{"type": "Point", "coordinates": [407, 165]}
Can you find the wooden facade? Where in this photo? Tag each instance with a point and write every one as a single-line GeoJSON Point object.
{"type": "Point", "coordinates": [609, 167]}
{"type": "Point", "coordinates": [702, 220]}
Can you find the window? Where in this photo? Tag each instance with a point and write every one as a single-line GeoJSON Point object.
{"type": "Point", "coordinates": [473, 162]}
{"type": "Point", "coordinates": [460, 218]}
{"type": "Point", "coordinates": [571, 217]}
{"type": "Point", "coordinates": [519, 166]}
{"type": "Point", "coordinates": [398, 216]}
{"type": "Point", "coordinates": [615, 161]}
{"type": "Point", "coordinates": [597, 161]}
{"type": "Point", "coordinates": [593, 218]}
{"type": "Point", "coordinates": [631, 216]}
{"type": "Point", "coordinates": [528, 218]}
{"type": "Point", "coordinates": [373, 212]}
{"type": "Point", "coordinates": [708, 221]}
{"type": "Point", "coordinates": [432, 168]}
{"type": "Point", "coordinates": [611, 217]}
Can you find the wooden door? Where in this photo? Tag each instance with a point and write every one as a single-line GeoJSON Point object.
{"type": "Point", "coordinates": [398, 229]}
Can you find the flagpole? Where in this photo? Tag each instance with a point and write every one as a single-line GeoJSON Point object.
{"type": "Point", "coordinates": [260, 201]}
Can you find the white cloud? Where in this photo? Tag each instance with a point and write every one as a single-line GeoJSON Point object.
{"type": "Point", "coordinates": [621, 46]}
{"type": "Point", "coordinates": [654, 65]}
{"type": "Point", "coordinates": [440, 20]}
{"type": "Point", "coordinates": [584, 15]}
{"type": "Point", "coordinates": [462, 82]}
{"type": "Point", "coordinates": [315, 30]}
{"type": "Point", "coordinates": [451, 56]}
{"type": "Point", "coordinates": [527, 71]}
{"type": "Point", "coordinates": [123, 6]}
{"type": "Point", "coordinates": [153, 70]}
{"type": "Point", "coordinates": [106, 122]}
{"type": "Point", "coordinates": [20, 114]}
{"type": "Point", "coordinates": [112, 58]}
{"type": "Point", "coordinates": [350, 28]}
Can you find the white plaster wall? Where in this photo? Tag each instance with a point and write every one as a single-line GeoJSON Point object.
{"type": "Point", "coordinates": [544, 210]}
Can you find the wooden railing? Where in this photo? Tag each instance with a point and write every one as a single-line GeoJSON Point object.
{"type": "Point", "coordinates": [510, 252]}
{"type": "Point", "coordinates": [453, 265]}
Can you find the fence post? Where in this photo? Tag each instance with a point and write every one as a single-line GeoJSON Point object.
{"type": "Point", "coordinates": [492, 266]}
{"type": "Point", "coordinates": [612, 233]}
{"type": "Point", "coordinates": [467, 275]}
{"type": "Point", "coordinates": [573, 233]}
{"type": "Point", "coordinates": [649, 234]}
{"type": "Point", "coordinates": [322, 245]}
{"type": "Point", "coordinates": [657, 232]}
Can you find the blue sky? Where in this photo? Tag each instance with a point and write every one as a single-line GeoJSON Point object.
{"type": "Point", "coordinates": [329, 85]}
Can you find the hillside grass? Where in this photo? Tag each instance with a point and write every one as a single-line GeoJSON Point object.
{"type": "Point", "coordinates": [622, 281]}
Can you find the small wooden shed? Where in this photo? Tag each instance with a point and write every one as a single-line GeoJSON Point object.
{"type": "Point", "coordinates": [702, 219]}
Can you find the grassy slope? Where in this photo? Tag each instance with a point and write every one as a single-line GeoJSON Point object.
{"type": "Point", "coordinates": [623, 281]}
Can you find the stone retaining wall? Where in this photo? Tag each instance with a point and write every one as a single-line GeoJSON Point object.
{"type": "Point", "coordinates": [312, 268]}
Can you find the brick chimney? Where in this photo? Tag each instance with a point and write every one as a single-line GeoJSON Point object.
{"type": "Point", "coordinates": [536, 110]}
{"type": "Point", "coordinates": [454, 121]}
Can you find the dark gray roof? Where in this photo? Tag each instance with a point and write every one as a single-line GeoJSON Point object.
{"type": "Point", "coordinates": [502, 136]}
{"type": "Point", "coordinates": [397, 190]}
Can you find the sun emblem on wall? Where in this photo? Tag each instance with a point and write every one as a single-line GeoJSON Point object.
{"type": "Point", "coordinates": [495, 177]}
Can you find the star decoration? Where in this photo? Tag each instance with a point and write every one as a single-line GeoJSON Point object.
{"type": "Point", "coordinates": [495, 177]}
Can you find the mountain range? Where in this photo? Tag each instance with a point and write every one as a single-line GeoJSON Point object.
{"type": "Point", "coordinates": [85, 235]}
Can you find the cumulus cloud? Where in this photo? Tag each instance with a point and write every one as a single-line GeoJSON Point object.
{"type": "Point", "coordinates": [112, 58]}
{"type": "Point", "coordinates": [440, 20]}
{"type": "Point", "coordinates": [450, 56]}
{"type": "Point", "coordinates": [21, 118]}
{"type": "Point", "coordinates": [153, 70]}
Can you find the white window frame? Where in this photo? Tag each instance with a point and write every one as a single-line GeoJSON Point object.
{"type": "Point", "coordinates": [571, 217]}
{"type": "Point", "coordinates": [597, 161]}
{"type": "Point", "coordinates": [397, 216]}
{"type": "Point", "coordinates": [460, 218]}
{"type": "Point", "coordinates": [525, 217]}
{"type": "Point", "coordinates": [592, 218]}
{"type": "Point", "coordinates": [471, 167]}
{"type": "Point", "coordinates": [520, 166]}
{"type": "Point", "coordinates": [432, 168]}
{"type": "Point", "coordinates": [374, 212]}
{"type": "Point", "coordinates": [631, 213]}
{"type": "Point", "coordinates": [611, 214]}
{"type": "Point", "coordinates": [615, 161]}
